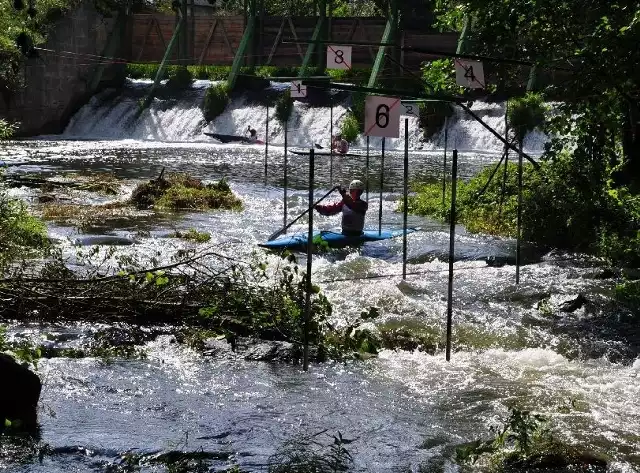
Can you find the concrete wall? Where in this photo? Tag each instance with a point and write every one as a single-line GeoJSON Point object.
{"type": "Point", "coordinates": [56, 83]}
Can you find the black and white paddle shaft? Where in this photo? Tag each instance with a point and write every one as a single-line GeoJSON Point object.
{"type": "Point", "coordinates": [275, 235]}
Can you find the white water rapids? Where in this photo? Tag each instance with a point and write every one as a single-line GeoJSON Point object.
{"type": "Point", "coordinates": [404, 410]}
{"type": "Point", "coordinates": [113, 117]}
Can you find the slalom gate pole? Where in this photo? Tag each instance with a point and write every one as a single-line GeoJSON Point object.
{"type": "Point", "coordinates": [266, 147]}
{"type": "Point", "coordinates": [519, 223]}
{"type": "Point", "coordinates": [367, 170]}
{"type": "Point", "coordinates": [452, 236]}
{"type": "Point", "coordinates": [307, 310]}
{"type": "Point", "coordinates": [444, 166]}
{"type": "Point", "coordinates": [381, 186]}
{"type": "Point", "coordinates": [331, 141]}
{"type": "Point", "coordinates": [406, 198]}
{"type": "Point", "coordinates": [286, 132]}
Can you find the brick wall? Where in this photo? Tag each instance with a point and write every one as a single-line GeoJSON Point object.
{"type": "Point", "coordinates": [152, 32]}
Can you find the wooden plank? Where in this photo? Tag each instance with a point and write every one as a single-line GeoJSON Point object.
{"type": "Point", "coordinates": [226, 38]}
{"type": "Point", "coordinates": [146, 37]}
{"type": "Point", "coordinates": [276, 43]}
{"type": "Point", "coordinates": [295, 36]}
{"type": "Point", "coordinates": [206, 44]}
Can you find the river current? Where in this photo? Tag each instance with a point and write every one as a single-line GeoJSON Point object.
{"type": "Point", "coordinates": [404, 411]}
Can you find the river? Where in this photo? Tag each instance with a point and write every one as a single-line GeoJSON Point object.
{"type": "Point", "coordinates": [404, 411]}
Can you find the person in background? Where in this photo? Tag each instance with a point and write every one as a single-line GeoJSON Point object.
{"type": "Point", "coordinates": [340, 145]}
{"type": "Point", "coordinates": [353, 209]}
{"type": "Point", "coordinates": [253, 136]}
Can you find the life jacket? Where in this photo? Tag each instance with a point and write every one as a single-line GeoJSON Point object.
{"type": "Point", "coordinates": [352, 221]}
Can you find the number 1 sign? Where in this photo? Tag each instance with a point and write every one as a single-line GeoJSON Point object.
{"type": "Point", "coordinates": [382, 116]}
{"type": "Point", "coordinates": [338, 57]}
{"type": "Point", "coordinates": [297, 89]}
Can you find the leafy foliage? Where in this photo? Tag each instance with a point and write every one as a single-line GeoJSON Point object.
{"type": "Point", "coordinates": [21, 234]}
{"type": "Point", "coordinates": [525, 114]}
{"type": "Point", "coordinates": [180, 191]}
{"type": "Point", "coordinates": [525, 443]}
{"type": "Point", "coordinates": [350, 127]}
{"type": "Point", "coordinates": [284, 107]}
{"type": "Point", "coordinates": [194, 235]}
{"type": "Point", "coordinates": [7, 129]}
{"type": "Point", "coordinates": [215, 101]}
{"type": "Point", "coordinates": [180, 78]}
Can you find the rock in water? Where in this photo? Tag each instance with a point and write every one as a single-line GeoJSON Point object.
{"type": "Point", "coordinates": [571, 304]}
{"type": "Point", "coordinates": [19, 393]}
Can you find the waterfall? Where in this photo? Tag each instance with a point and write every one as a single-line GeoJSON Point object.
{"type": "Point", "coordinates": [112, 115]}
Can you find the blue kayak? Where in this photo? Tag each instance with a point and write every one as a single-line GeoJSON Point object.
{"type": "Point", "coordinates": [298, 241]}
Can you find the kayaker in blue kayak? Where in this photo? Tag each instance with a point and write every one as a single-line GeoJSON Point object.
{"type": "Point", "coordinates": [353, 209]}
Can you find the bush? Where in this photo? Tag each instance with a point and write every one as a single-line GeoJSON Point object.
{"type": "Point", "coordinates": [143, 71]}
{"type": "Point", "coordinates": [22, 234]}
{"type": "Point", "coordinates": [215, 101]}
{"type": "Point", "coordinates": [350, 128]}
{"type": "Point", "coordinates": [179, 77]}
{"type": "Point", "coordinates": [180, 192]}
{"type": "Point", "coordinates": [7, 129]}
{"type": "Point", "coordinates": [284, 107]}
{"type": "Point", "coordinates": [525, 114]}
{"type": "Point", "coordinates": [525, 443]}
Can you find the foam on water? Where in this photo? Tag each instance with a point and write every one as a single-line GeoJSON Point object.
{"type": "Point", "coordinates": [180, 119]}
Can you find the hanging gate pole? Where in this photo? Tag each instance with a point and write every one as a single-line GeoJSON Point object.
{"type": "Point", "coordinates": [519, 223]}
{"type": "Point", "coordinates": [285, 171]}
{"type": "Point", "coordinates": [381, 186]}
{"type": "Point", "coordinates": [307, 311]}
{"type": "Point", "coordinates": [444, 166]}
{"type": "Point", "coordinates": [331, 140]}
{"type": "Point", "coordinates": [405, 206]}
{"type": "Point", "coordinates": [367, 170]}
{"type": "Point", "coordinates": [452, 236]}
{"type": "Point", "coordinates": [266, 147]}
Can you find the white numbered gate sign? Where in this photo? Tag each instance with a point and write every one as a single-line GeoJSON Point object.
{"type": "Point", "coordinates": [382, 116]}
{"type": "Point", "coordinates": [469, 74]}
{"type": "Point", "coordinates": [297, 89]}
{"type": "Point", "coordinates": [410, 109]}
{"type": "Point", "coordinates": [338, 57]}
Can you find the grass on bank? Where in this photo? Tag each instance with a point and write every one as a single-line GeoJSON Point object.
{"type": "Point", "coordinates": [561, 209]}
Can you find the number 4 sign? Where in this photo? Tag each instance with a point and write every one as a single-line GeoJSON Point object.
{"type": "Point", "coordinates": [469, 74]}
{"type": "Point", "coordinates": [338, 57]}
{"type": "Point", "coordinates": [382, 116]}
{"type": "Point", "coordinates": [297, 89]}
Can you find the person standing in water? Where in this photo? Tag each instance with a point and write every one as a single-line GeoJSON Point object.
{"type": "Point", "coordinates": [353, 209]}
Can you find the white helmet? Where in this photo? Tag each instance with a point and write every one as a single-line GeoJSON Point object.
{"type": "Point", "coordinates": [356, 185]}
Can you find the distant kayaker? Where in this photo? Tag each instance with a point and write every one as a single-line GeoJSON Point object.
{"type": "Point", "coordinates": [353, 209]}
{"type": "Point", "coordinates": [340, 145]}
{"type": "Point", "coordinates": [253, 134]}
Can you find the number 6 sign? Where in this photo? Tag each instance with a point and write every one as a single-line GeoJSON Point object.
{"type": "Point", "coordinates": [338, 57]}
{"type": "Point", "coordinates": [382, 116]}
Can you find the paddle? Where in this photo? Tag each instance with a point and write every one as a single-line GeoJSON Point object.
{"type": "Point", "coordinates": [275, 235]}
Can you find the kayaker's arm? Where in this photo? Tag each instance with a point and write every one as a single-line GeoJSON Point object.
{"type": "Point", "coordinates": [331, 209]}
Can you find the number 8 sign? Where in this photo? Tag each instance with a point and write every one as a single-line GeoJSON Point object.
{"type": "Point", "coordinates": [338, 57]}
{"type": "Point", "coordinates": [382, 116]}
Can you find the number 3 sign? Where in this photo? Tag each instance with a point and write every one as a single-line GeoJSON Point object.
{"type": "Point", "coordinates": [382, 116]}
{"type": "Point", "coordinates": [338, 57]}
